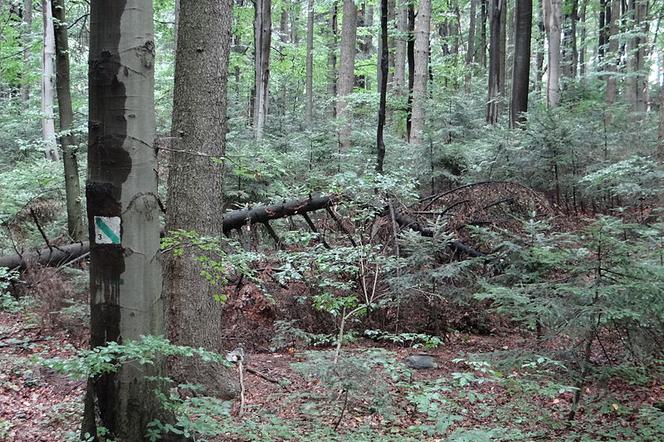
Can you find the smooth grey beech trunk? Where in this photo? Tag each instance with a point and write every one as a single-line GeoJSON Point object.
{"type": "Point", "coordinates": [421, 76]}
{"type": "Point", "coordinates": [48, 85]}
{"type": "Point", "coordinates": [552, 18]}
{"type": "Point", "coordinates": [195, 185]}
{"type": "Point", "coordinates": [123, 211]}
{"type": "Point", "coordinates": [400, 46]}
{"type": "Point", "coordinates": [66, 114]}
{"type": "Point", "coordinates": [346, 72]}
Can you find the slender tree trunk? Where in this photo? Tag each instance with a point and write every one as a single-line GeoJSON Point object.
{"type": "Point", "coordinates": [503, 50]}
{"type": "Point", "coordinates": [262, 41]}
{"type": "Point", "coordinates": [660, 138]}
{"type": "Point", "coordinates": [582, 38]}
{"type": "Point", "coordinates": [552, 17]}
{"type": "Point", "coordinates": [72, 185]}
{"type": "Point", "coordinates": [470, 51]}
{"type": "Point", "coordinates": [346, 73]}
{"type": "Point", "coordinates": [611, 58]}
{"type": "Point", "coordinates": [411, 67]}
{"type": "Point", "coordinates": [481, 54]}
{"type": "Point", "coordinates": [48, 85]}
{"type": "Point", "coordinates": [570, 53]}
{"type": "Point", "coordinates": [493, 98]}
{"type": "Point", "coordinates": [391, 21]}
{"type": "Point", "coordinates": [421, 77]}
{"type": "Point", "coordinates": [123, 212]}
{"type": "Point", "coordinates": [637, 84]}
{"type": "Point", "coordinates": [380, 142]}
{"type": "Point", "coordinates": [521, 71]}
{"type": "Point", "coordinates": [310, 63]}
{"type": "Point", "coordinates": [283, 23]}
{"type": "Point", "coordinates": [539, 59]}
{"type": "Point", "coordinates": [603, 26]}
{"type": "Point", "coordinates": [332, 61]}
{"type": "Point", "coordinates": [27, 42]}
{"type": "Point", "coordinates": [195, 185]}
{"type": "Point", "coordinates": [401, 46]}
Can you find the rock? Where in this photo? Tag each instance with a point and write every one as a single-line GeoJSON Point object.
{"type": "Point", "coordinates": [420, 361]}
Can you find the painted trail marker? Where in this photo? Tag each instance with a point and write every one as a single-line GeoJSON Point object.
{"type": "Point", "coordinates": [107, 230]}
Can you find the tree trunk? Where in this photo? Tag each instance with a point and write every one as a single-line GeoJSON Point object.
{"type": "Point", "coordinates": [401, 46]}
{"type": "Point", "coordinates": [603, 27]}
{"type": "Point", "coordinates": [411, 67]}
{"type": "Point", "coordinates": [660, 138]}
{"type": "Point", "coordinates": [503, 50]}
{"type": "Point", "coordinates": [310, 63]}
{"type": "Point", "coordinates": [421, 77]}
{"type": "Point", "coordinates": [552, 17]}
{"type": "Point", "coordinates": [481, 54]}
{"type": "Point", "coordinates": [346, 73]}
{"type": "Point", "coordinates": [636, 87]}
{"type": "Point", "coordinates": [72, 185]}
{"type": "Point", "coordinates": [582, 47]}
{"type": "Point", "coordinates": [27, 42]}
{"type": "Point", "coordinates": [195, 184]}
{"type": "Point", "coordinates": [262, 41]}
{"type": "Point", "coordinates": [492, 110]}
{"type": "Point", "coordinates": [123, 211]}
{"type": "Point", "coordinates": [470, 51]}
{"type": "Point", "coordinates": [611, 59]}
{"type": "Point", "coordinates": [391, 21]}
{"type": "Point", "coordinates": [48, 89]}
{"type": "Point", "coordinates": [380, 142]}
{"type": "Point", "coordinates": [521, 71]}
{"type": "Point", "coordinates": [539, 58]}
{"type": "Point", "coordinates": [570, 53]}
{"type": "Point", "coordinates": [332, 61]}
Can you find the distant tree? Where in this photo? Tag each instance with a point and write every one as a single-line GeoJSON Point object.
{"type": "Point", "coordinates": [552, 18]}
{"type": "Point", "coordinates": [612, 18]}
{"type": "Point", "coordinates": [66, 114]}
{"type": "Point", "coordinates": [495, 54]}
{"type": "Point", "coordinates": [521, 71]}
{"type": "Point", "coordinates": [195, 184]}
{"type": "Point", "coordinates": [660, 138]}
{"type": "Point", "coordinates": [310, 63]}
{"type": "Point", "coordinates": [400, 46]}
{"type": "Point", "coordinates": [48, 84]}
{"type": "Point", "coordinates": [123, 211]}
{"type": "Point", "coordinates": [27, 42]}
{"type": "Point", "coordinates": [262, 42]}
{"type": "Point", "coordinates": [470, 50]}
{"type": "Point", "coordinates": [332, 59]}
{"type": "Point", "coordinates": [421, 74]}
{"type": "Point", "coordinates": [382, 84]}
{"type": "Point", "coordinates": [346, 72]}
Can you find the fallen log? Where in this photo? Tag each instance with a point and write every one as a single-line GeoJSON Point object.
{"type": "Point", "coordinates": [236, 219]}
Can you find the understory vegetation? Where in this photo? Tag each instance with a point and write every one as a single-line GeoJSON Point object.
{"type": "Point", "coordinates": [488, 284]}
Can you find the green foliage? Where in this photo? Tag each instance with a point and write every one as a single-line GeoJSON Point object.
{"type": "Point", "coordinates": [7, 302]}
{"type": "Point", "coordinates": [413, 340]}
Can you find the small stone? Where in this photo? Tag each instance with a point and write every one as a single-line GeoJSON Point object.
{"type": "Point", "coordinates": [420, 361]}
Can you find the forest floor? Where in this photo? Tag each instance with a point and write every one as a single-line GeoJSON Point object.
{"type": "Point", "coordinates": [484, 388]}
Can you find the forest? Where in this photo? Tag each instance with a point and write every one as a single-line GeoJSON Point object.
{"type": "Point", "coordinates": [331, 220]}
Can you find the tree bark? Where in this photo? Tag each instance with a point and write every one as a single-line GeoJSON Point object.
{"type": "Point", "coordinates": [346, 73]}
{"type": "Point", "coordinates": [660, 138]}
{"type": "Point", "coordinates": [125, 280]}
{"type": "Point", "coordinates": [521, 71]}
{"type": "Point", "coordinates": [421, 74]}
{"type": "Point", "coordinates": [48, 89]}
{"type": "Point", "coordinates": [539, 58]}
{"type": "Point", "coordinates": [611, 59]}
{"type": "Point", "coordinates": [470, 50]}
{"type": "Point", "coordinates": [584, 33]}
{"type": "Point", "coordinates": [570, 54]}
{"type": "Point", "coordinates": [310, 64]}
{"type": "Point", "coordinates": [262, 41]}
{"type": "Point", "coordinates": [401, 46]}
{"type": "Point", "coordinates": [502, 78]}
{"type": "Point", "coordinates": [636, 83]}
{"type": "Point", "coordinates": [411, 67]}
{"type": "Point", "coordinates": [66, 114]}
{"type": "Point", "coordinates": [380, 142]}
{"type": "Point", "coordinates": [195, 184]}
{"type": "Point", "coordinates": [332, 61]}
{"type": "Point", "coordinates": [27, 42]}
{"type": "Point", "coordinates": [481, 54]}
{"type": "Point", "coordinates": [493, 107]}
{"type": "Point", "coordinates": [552, 17]}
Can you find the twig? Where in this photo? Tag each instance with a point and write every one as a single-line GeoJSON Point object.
{"type": "Point", "coordinates": [240, 366]}
{"type": "Point", "coordinates": [41, 231]}
{"type": "Point", "coordinates": [343, 410]}
{"type": "Point", "coordinates": [26, 341]}
{"type": "Point", "coordinates": [341, 225]}
{"type": "Point", "coordinates": [263, 376]}
{"type": "Point", "coordinates": [313, 228]}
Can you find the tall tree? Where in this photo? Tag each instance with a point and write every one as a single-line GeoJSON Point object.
{"type": "Point", "coordinates": [123, 211]}
{"type": "Point", "coordinates": [66, 114]}
{"type": "Point", "coordinates": [481, 52]}
{"type": "Point", "coordinates": [195, 183]}
{"type": "Point", "coordinates": [310, 63]}
{"type": "Point", "coordinates": [612, 17]}
{"type": "Point", "coordinates": [410, 49]}
{"type": "Point", "coordinates": [421, 74]}
{"type": "Point", "coordinates": [380, 142]}
{"type": "Point", "coordinates": [552, 18]}
{"type": "Point", "coordinates": [636, 87]}
{"type": "Point", "coordinates": [262, 41]}
{"type": "Point", "coordinates": [332, 59]}
{"type": "Point", "coordinates": [470, 50]}
{"type": "Point", "coordinates": [401, 45]}
{"type": "Point", "coordinates": [521, 71]}
{"type": "Point", "coordinates": [660, 138]}
{"type": "Point", "coordinates": [27, 42]}
{"type": "Point", "coordinates": [48, 86]}
{"type": "Point", "coordinates": [346, 72]}
{"type": "Point", "coordinates": [570, 53]}
{"type": "Point", "coordinates": [495, 53]}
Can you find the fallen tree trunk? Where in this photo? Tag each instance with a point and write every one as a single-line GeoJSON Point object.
{"type": "Point", "coordinates": [236, 219]}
